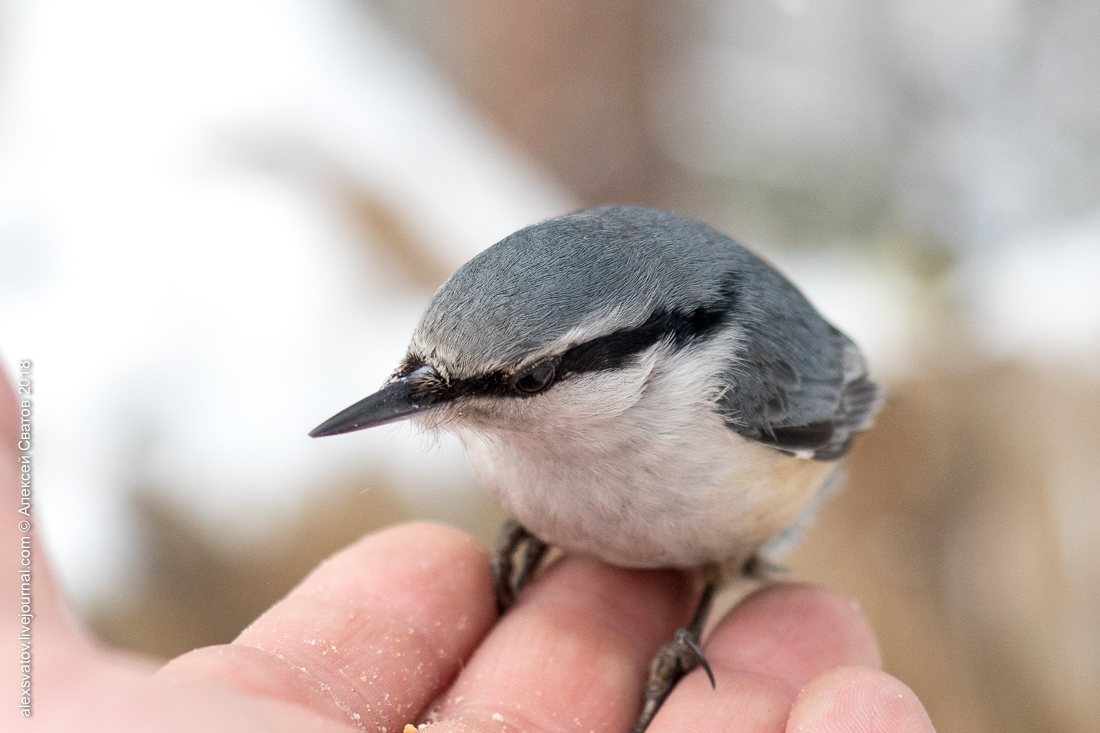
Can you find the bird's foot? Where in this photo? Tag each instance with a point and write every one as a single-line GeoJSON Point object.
{"type": "Point", "coordinates": [675, 660]}
{"type": "Point", "coordinates": [671, 664]}
{"type": "Point", "coordinates": [516, 558]}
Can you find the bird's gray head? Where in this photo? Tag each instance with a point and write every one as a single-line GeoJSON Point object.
{"type": "Point", "coordinates": [558, 319]}
{"type": "Point", "coordinates": [565, 281]}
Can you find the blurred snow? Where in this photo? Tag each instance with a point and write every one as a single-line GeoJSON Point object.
{"type": "Point", "coordinates": [1037, 298]}
{"type": "Point", "coordinates": [190, 318]}
{"type": "Point", "coordinates": [966, 122]}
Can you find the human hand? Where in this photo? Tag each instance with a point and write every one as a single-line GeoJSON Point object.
{"type": "Point", "coordinates": [404, 622]}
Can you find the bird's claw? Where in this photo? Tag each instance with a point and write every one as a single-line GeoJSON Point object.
{"type": "Point", "coordinates": [672, 663]}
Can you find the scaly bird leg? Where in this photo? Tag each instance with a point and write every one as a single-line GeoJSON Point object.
{"type": "Point", "coordinates": [676, 659]}
{"type": "Point", "coordinates": [515, 543]}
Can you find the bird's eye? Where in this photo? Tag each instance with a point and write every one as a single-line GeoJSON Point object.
{"type": "Point", "coordinates": [537, 379]}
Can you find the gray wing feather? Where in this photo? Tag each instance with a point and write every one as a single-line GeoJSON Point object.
{"type": "Point", "coordinates": [797, 383]}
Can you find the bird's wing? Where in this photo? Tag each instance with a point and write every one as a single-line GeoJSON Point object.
{"type": "Point", "coordinates": [808, 404]}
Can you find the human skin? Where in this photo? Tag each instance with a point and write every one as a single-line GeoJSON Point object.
{"type": "Point", "coordinates": [404, 621]}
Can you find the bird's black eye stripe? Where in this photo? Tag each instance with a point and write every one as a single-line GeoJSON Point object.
{"type": "Point", "coordinates": [440, 390]}
{"type": "Point", "coordinates": [613, 351]}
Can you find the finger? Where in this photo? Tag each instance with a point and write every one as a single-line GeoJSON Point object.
{"type": "Point", "coordinates": [770, 646]}
{"type": "Point", "coordinates": [573, 654]}
{"type": "Point", "coordinates": [858, 700]}
{"type": "Point", "coordinates": [372, 636]}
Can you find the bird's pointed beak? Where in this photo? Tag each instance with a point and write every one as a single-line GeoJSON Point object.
{"type": "Point", "coordinates": [395, 401]}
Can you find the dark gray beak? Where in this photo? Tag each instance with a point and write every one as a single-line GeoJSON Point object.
{"type": "Point", "coordinates": [391, 403]}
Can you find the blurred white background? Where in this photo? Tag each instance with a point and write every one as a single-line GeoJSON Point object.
{"type": "Point", "coordinates": [194, 297]}
{"type": "Point", "coordinates": [219, 222]}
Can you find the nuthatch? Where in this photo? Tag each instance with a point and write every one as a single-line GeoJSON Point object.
{"type": "Point", "coordinates": [634, 385]}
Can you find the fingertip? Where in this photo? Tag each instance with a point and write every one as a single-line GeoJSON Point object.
{"type": "Point", "coordinates": [793, 631]}
{"type": "Point", "coordinates": [379, 629]}
{"type": "Point", "coordinates": [432, 572]}
{"type": "Point", "coordinates": [431, 539]}
{"type": "Point", "coordinates": [430, 536]}
{"type": "Point", "coordinates": [858, 700]}
{"type": "Point", "coordinates": [639, 607]}
{"type": "Point", "coordinates": [576, 646]}
{"type": "Point", "coordinates": [764, 652]}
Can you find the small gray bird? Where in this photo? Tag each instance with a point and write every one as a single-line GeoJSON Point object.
{"type": "Point", "coordinates": [634, 385]}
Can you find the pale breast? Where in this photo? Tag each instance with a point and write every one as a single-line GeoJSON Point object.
{"type": "Point", "coordinates": [681, 500]}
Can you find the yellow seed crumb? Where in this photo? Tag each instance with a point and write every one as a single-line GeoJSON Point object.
{"type": "Point", "coordinates": [409, 728]}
